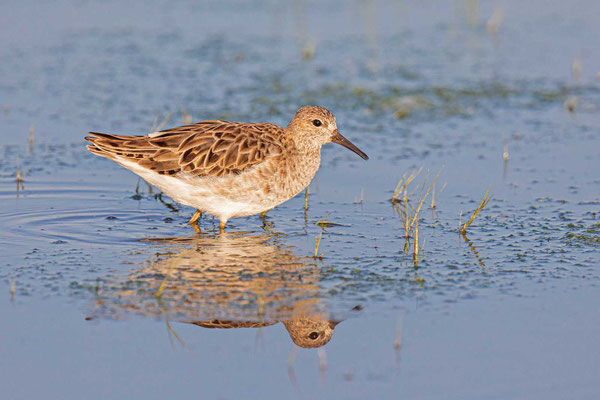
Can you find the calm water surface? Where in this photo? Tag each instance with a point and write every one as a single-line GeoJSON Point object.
{"type": "Point", "coordinates": [500, 95]}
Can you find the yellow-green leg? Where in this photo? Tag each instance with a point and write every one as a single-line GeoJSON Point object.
{"type": "Point", "coordinates": [264, 220]}
{"type": "Point", "coordinates": [264, 213]}
{"type": "Point", "coordinates": [194, 220]}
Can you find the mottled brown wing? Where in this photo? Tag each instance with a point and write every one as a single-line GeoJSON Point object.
{"type": "Point", "coordinates": [207, 148]}
{"type": "Point", "coordinates": [227, 324]}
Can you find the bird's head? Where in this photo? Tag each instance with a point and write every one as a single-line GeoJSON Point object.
{"type": "Point", "coordinates": [316, 125]}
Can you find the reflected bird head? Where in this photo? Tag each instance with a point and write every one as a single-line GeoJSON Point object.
{"type": "Point", "coordinates": [310, 331]}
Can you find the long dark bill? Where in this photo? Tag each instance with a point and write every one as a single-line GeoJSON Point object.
{"type": "Point", "coordinates": [339, 139]}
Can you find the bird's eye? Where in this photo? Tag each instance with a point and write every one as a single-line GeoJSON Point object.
{"type": "Point", "coordinates": [316, 122]}
{"type": "Point", "coordinates": [313, 335]}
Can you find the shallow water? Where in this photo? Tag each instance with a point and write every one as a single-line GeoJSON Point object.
{"type": "Point", "coordinates": [507, 311]}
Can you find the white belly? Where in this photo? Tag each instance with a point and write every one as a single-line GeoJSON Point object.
{"type": "Point", "coordinates": [225, 198]}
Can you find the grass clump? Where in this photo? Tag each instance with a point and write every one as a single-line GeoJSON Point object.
{"type": "Point", "coordinates": [409, 209]}
{"type": "Point", "coordinates": [401, 187]}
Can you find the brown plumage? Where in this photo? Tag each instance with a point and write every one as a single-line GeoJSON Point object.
{"type": "Point", "coordinates": [228, 169]}
{"type": "Point", "coordinates": [207, 148]}
{"type": "Point", "coordinates": [230, 324]}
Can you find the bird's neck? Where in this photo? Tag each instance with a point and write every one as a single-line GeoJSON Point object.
{"type": "Point", "coordinates": [305, 159]}
{"type": "Point", "coordinates": [306, 147]}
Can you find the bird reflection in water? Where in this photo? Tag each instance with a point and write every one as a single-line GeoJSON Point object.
{"type": "Point", "coordinates": [227, 281]}
{"type": "Point", "coordinates": [308, 331]}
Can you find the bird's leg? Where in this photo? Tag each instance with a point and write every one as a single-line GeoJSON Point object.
{"type": "Point", "coordinates": [266, 225]}
{"type": "Point", "coordinates": [222, 226]}
{"type": "Point", "coordinates": [264, 214]}
{"type": "Point", "coordinates": [194, 220]}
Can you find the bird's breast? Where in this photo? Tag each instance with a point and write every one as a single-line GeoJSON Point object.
{"type": "Point", "coordinates": [297, 171]}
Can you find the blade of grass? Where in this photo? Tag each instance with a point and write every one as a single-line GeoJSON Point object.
{"type": "Point", "coordinates": [416, 214]}
{"type": "Point", "coordinates": [403, 183]}
{"type": "Point", "coordinates": [323, 223]}
{"type": "Point", "coordinates": [306, 200]}
{"type": "Point", "coordinates": [317, 243]}
{"type": "Point", "coordinates": [31, 135]}
{"type": "Point", "coordinates": [164, 281]}
{"type": "Point", "coordinates": [482, 204]}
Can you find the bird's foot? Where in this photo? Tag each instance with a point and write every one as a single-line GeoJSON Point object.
{"type": "Point", "coordinates": [266, 225]}
{"type": "Point", "coordinates": [264, 214]}
{"type": "Point", "coordinates": [194, 221]}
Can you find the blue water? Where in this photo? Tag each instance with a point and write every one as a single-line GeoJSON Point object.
{"type": "Point", "coordinates": [508, 311]}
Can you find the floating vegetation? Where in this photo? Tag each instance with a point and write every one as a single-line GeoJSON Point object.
{"type": "Point", "coordinates": [323, 223]}
{"type": "Point", "coordinates": [586, 236]}
{"type": "Point", "coordinates": [437, 101]}
{"type": "Point", "coordinates": [407, 104]}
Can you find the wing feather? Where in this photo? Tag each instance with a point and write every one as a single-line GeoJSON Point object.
{"type": "Point", "coordinates": [229, 324]}
{"type": "Point", "coordinates": [207, 148]}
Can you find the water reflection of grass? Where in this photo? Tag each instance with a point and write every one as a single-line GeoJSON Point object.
{"type": "Point", "coordinates": [473, 249]}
